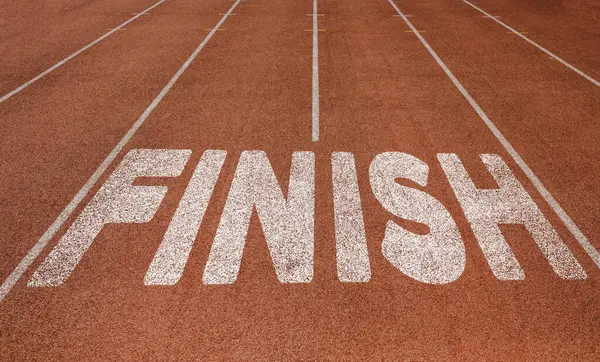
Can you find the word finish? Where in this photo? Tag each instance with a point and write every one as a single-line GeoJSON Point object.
{"type": "Point", "coordinates": [437, 257]}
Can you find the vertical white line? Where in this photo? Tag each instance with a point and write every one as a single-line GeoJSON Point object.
{"type": "Point", "coordinates": [315, 75]}
{"type": "Point", "coordinates": [569, 223]}
{"type": "Point", "coordinates": [554, 56]}
{"type": "Point", "coordinates": [57, 65]}
{"type": "Point", "coordinates": [34, 252]}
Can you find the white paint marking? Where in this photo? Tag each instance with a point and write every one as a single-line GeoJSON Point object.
{"type": "Point", "coordinates": [554, 56]}
{"type": "Point", "coordinates": [315, 75]}
{"type": "Point", "coordinates": [172, 255]}
{"type": "Point", "coordinates": [117, 202]}
{"type": "Point", "coordinates": [509, 204]}
{"type": "Point", "coordinates": [437, 257]}
{"type": "Point", "coordinates": [351, 241]}
{"type": "Point", "coordinates": [569, 223]}
{"type": "Point", "coordinates": [33, 253]}
{"type": "Point", "coordinates": [288, 225]}
{"type": "Point", "coordinates": [57, 65]}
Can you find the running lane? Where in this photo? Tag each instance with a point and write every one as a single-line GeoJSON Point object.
{"type": "Point", "coordinates": [38, 34]}
{"type": "Point", "coordinates": [250, 90]}
{"type": "Point", "coordinates": [567, 28]}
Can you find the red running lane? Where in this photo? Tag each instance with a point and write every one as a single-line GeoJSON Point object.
{"type": "Point", "coordinates": [569, 29]}
{"type": "Point", "coordinates": [38, 34]}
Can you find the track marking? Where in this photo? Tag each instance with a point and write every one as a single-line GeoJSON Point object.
{"type": "Point", "coordinates": [487, 209]}
{"type": "Point", "coordinates": [115, 29]}
{"type": "Point", "coordinates": [35, 251]}
{"type": "Point", "coordinates": [89, 45]}
{"type": "Point", "coordinates": [512, 33]}
{"type": "Point", "coordinates": [352, 253]}
{"type": "Point", "coordinates": [438, 257]}
{"type": "Point", "coordinates": [315, 75]}
{"type": "Point", "coordinates": [172, 255]}
{"type": "Point", "coordinates": [594, 81]}
{"type": "Point", "coordinates": [288, 223]}
{"type": "Point", "coordinates": [212, 29]}
{"type": "Point", "coordinates": [537, 183]}
{"type": "Point", "coordinates": [118, 201]}
{"type": "Point", "coordinates": [410, 31]}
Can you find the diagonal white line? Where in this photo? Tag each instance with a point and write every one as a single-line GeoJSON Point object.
{"type": "Point", "coordinates": [18, 272]}
{"type": "Point", "coordinates": [569, 223]}
{"type": "Point", "coordinates": [59, 64]}
{"type": "Point", "coordinates": [554, 56]}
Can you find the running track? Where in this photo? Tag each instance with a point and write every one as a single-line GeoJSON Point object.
{"type": "Point", "coordinates": [416, 85]}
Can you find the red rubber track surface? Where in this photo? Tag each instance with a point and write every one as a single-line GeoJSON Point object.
{"type": "Point", "coordinates": [250, 89]}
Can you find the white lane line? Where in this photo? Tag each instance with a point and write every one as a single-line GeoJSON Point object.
{"type": "Point", "coordinates": [554, 56]}
{"type": "Point", "coordinates": [315, 75]}
{"type": "Point", "coordinates": [18, 272]}
{"type": "Point", "coordinates": [569, 223]}
{"type": "Point", "coordinates": [57, 65]}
